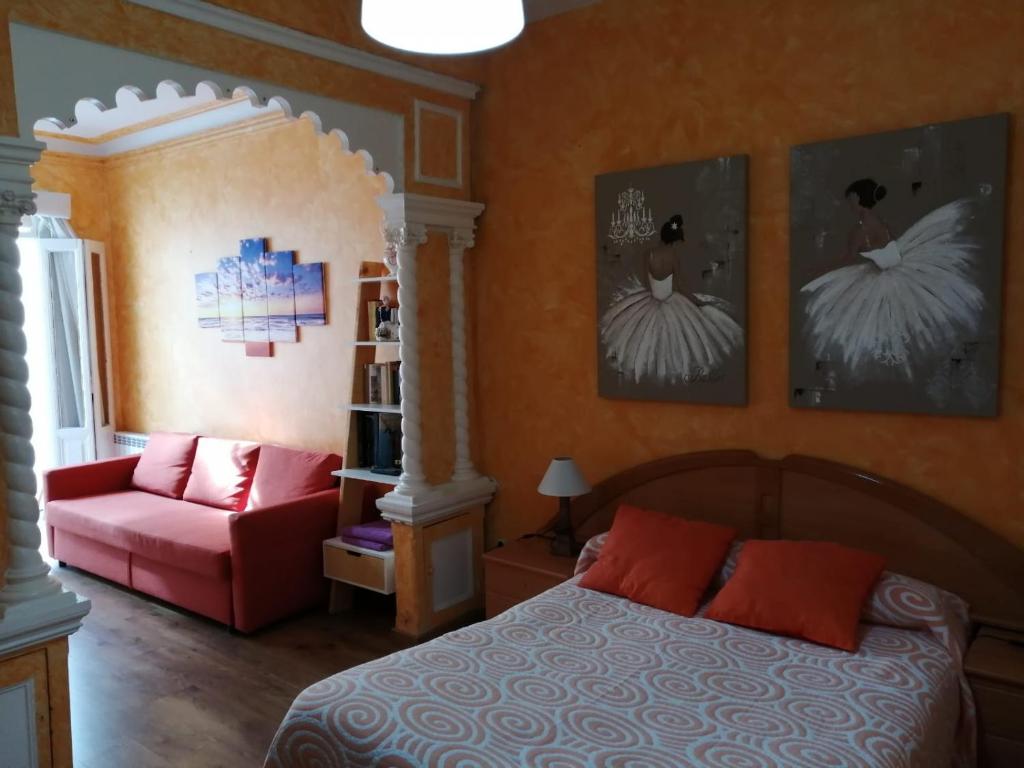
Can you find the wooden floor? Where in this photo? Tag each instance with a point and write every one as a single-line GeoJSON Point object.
{"type": "Point", "coordinates": [152, 686]}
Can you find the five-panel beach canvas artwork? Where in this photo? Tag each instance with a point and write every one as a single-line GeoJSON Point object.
{"type": "Point", "coordinates": [260, 296]}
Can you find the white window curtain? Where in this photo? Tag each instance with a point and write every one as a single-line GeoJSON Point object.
{"type": "Point", "coordinates": [66, 337]}
{"type": "Point", "coordinates": [51, 329]}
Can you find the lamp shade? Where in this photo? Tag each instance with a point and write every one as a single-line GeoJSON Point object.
{"type": "Point", "coordinates": [563, 479]}
{"type": "Point", "coordinates": [443, 26]}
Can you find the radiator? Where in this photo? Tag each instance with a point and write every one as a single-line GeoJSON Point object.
{"type": "Point", "coordinates": [128, 443]}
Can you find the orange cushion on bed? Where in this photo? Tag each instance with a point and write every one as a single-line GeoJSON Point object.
{"type": "Point", "coordinates": [809, 589]}
{"type": "Point", "coordinates": [659, 560]}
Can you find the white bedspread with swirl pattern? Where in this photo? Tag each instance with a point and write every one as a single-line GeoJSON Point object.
{"type": "Point", "coordinates": [576, 678]}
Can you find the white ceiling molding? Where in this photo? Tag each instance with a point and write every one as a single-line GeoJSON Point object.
{"type": "Point", "coordinates": [265, 31]}
{"type": "Point", "coordinates": [102, 131]}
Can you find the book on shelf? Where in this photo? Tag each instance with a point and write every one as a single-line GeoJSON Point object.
{"type": "Point", "coordinates": [371, 319]}
{"type": "Point", "coordinates": [380, 442]}
{"type": "Point", "coordinates": [383, 383]}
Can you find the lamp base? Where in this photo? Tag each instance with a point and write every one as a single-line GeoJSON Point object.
{"type": "Point", "coordinates": [564, 544]}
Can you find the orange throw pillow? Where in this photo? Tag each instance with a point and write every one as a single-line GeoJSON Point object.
{"type": "Point", "coordinates": [659, 560]}
{"type": "Point", "coordinates": [809, 589]}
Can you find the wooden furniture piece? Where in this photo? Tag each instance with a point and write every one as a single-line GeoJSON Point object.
{"type": "Point", "coordinates": [34, 700]}
{"type": "Point", "coordinates": [359, 567]}
{"type": "Point", "coordinates": [435, 565]}
{"type": "Point", "coordinates": [437, 518]}
{"type": "Point", "coordinates": [435, 571]}
{"type": "Point", "coordinates": [805, 498]}
{"type": "Point", "coordinates": [521, 570]}
{"type": "Point", "coordinates": [372, 286]}
{"type": "Point", "coordinates": [438, 571]}
{"type": "Point", "coordinates": [995, 668]}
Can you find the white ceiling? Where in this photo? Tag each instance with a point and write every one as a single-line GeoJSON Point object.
{"type": "Point", "coordinates": [540, 9]}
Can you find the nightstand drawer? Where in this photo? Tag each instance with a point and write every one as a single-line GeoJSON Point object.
{"type": "Point", "coordinates": [374, 571]}
{"type": "Point", "coordinates": [516, 583]}
{"type": "Point", "coordinates": [521, 570]}
{"type": "Point", "coordinates": [1000, 710]}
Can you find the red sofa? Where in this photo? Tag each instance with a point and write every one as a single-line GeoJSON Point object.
{"type": "Point", "coordinates": [226, 529]}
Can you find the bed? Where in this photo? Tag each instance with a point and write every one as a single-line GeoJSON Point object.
{"type": "Point", "coordinates": [578, 678]}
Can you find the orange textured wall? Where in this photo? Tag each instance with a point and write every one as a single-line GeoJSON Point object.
{"type": "Point", "coordinates": [174, 211]}
{"type": "Point", "coordinates": [85, 179]}
{"type": "Point", "coordinates": [613, 87]}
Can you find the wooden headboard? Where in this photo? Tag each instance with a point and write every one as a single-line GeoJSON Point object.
{"type": "Point", "coordinates": [799, 497]}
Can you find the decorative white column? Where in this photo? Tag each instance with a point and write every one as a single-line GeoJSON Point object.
{"type": "Point", "coordinates": [406, 239]}
{"type": "Point", "coordinates": [415, 501]}
{"type": "Point", "coordinates": [33, 605]}
{"type": "Point", "coordinates": [458, 241]}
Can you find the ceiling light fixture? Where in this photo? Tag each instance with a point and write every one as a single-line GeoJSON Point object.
{"type": "Point", "coordinates": [443, 26]}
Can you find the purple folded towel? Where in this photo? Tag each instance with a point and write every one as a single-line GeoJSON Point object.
{"type": "Point", "coordinates": [378, 530]}
{"type": "Point", "coordinates": [377, 546]}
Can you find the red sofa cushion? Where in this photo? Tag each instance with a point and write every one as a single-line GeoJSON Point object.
{"type": "Point", "coordinates": [189, 536]}
{"type": "Point", "coordinates": [283, 474]}
{"type": "Point", "coordinates": [222, 473]}
{"type": "Point", "coordinates": [165, 464]}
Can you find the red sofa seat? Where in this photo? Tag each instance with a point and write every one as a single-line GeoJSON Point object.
{"type": "Point", "coordinates": [242, 568]}
{"type": "Point", "coordinates": [189, 536]}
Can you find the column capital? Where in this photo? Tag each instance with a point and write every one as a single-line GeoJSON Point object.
{"type": "Point", "coordinates": [14, 205]}
{"type": "Point", "coordinates": [434, 213]}
{"type": "Point", "coordinates": [461, 239]}
{"type": "Point", "coordinates": [16, 196]}
{"type": "Point", "coordinates": [406, 234]}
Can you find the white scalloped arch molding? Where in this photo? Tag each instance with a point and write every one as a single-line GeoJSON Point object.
{"type": "Point", "coordinates": [172, 113]}
{"type": "Point", "coordinates": [52, 73]}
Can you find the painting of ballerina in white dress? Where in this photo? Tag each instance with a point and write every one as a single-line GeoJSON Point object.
{"type": "Point", "coordinates": [896, 276]}
{"type": "Point", "coordinates": [672, 282]}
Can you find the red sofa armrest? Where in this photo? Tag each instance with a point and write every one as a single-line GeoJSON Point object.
{"type": "Point", "coordinates": [277, 558]}
{"type": "Point", "coordinates": [89, 479]}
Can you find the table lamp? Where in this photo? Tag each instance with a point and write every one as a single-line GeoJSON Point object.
{"type": "Point", "coordinates": [564, 480]}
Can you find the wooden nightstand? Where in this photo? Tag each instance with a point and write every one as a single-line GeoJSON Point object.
{"type": "Point", "coordinates": [995, 668]}
{"type": "Point", "coordinates": [519, 571]}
